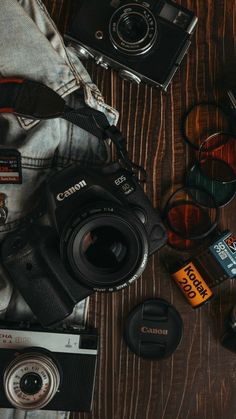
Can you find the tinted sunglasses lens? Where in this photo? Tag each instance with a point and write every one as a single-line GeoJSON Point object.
{"type": "Point", "coordinates": [191, 213]}
{"type": "Point", "coordinates": [217, 157]}
{"type": "Point", "coordinates": [177, 242]}
{"type": "Point", "coordinates": [188, 220]}
{"type": "Point", "coordinates": [201, 121]}
{"type": "Point", "coordinates": [222, 193]}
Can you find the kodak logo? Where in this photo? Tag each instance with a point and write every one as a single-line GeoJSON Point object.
{"type": "Point", "coordinates": [203, 291]}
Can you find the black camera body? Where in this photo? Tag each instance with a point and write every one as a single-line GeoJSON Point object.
{"type": "Point", "coordinates": [112, 186]}
{"type": "Point", "coordinates": [103, 228]}
{"type": "Point", "coordinates": [145, 41]}
{"type": "Point", "coordinates": [41, 369]}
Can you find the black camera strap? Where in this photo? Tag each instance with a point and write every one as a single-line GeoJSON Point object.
{"type": "Point", "coordinates": [34, 100]}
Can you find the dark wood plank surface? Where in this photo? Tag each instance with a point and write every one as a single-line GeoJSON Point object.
{"type": "Point", "coordinates": [199, 380]}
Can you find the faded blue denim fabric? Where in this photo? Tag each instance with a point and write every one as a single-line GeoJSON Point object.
{"type": "Point", "coordinates": [21, 414]}
{"type": "Point", "coordinates": [31, 47]}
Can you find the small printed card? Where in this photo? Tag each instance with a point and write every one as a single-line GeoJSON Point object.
{"type": "Point", "coordinates": [224, 250]}
{"type": "Point", "coordinates": [10, 166]}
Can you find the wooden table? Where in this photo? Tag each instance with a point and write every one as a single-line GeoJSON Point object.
{"type": "Point", "coordinates": [199, 380]}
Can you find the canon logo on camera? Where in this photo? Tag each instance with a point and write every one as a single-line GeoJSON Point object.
{"type": "Point", "coordinates": [63, 195]}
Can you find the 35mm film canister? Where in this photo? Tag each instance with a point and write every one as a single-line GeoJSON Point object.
{"type": "Point", "coordinates": [192, 284]}
{"type": "Point", "coordinates": [196, 277]}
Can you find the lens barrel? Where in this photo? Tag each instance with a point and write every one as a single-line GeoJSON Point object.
{"type": "Point", "coordinates": [31, 380]}
{"type": "Point", "coordinates": [133, 29]}
{"type": "Point", "coordinates": [105, 247]}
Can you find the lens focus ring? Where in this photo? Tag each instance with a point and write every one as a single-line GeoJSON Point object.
{"type": "Point", "coordinates": [105, 247]}
{"type": "Point", "coordinates": [133, 29]}
{"type": "Point", "coordinates": [31, 381]}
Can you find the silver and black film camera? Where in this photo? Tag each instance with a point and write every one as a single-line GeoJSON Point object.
{"type": "Point", "coordinates": [47, 370]}
{"type": "Point", "coordinates": [145, 41]}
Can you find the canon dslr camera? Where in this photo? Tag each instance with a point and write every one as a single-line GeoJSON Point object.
{"type": "Point", "coordinates": [103, 230]}
{"type": "Point", "coordinates": [143, 40]}
{"type": "Point", "coordinates": [47, 370]}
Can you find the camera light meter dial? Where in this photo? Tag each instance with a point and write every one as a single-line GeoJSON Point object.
{"type": "Point", "coordinates": [133, 29]}
{"type": "Point", "coordinates": [129, 76]}
{"type": "Point", "coordinates": [81, 50]}
{"type": "Point", "coordinates": [31, 381]}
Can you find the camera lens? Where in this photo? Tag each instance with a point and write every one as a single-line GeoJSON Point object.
{"type": "Point", "coordinates": [31, 383]}
{"type": "Point", "coordinates": [107, 250]}
{"type": "Point", "coordinates": [133, 29]}
{"type": "Point", "coordinates": [31, 380]}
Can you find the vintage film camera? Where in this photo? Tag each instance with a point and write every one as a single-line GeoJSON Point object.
{"type": "Point", "coordinates": [145, 41]}
{"type": "Point", "coordinates": [104, 229]}
{"type": "Point", "coordinates": [47, 370]}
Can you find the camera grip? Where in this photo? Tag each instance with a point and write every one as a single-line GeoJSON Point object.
{"type": "Point", "coordinates": [34, 265]}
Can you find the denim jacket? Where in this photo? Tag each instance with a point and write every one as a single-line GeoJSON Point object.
{"type": "Point", "coordinates": [32, 48]}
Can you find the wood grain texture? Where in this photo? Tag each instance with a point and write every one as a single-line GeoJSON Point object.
{"type": "Point", "coordinates": [199, 380]}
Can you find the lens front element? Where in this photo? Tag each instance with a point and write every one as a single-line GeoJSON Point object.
{"type": "Point", "coordinates": [133, 29]}
{"type": "Point", "coordinates": [31, 381]}
{"type": "Point", "coordinates": [105, 247]}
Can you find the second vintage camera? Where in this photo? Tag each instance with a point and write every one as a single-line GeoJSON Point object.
{"type": "Point", "coordinates": [144, 41]}
{"type": "Point", "coordinates": [52, 370]}
{"type": "Point", "coordinates": [103, 228]}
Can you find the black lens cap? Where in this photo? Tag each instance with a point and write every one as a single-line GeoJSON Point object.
{"type": "Point", "coordinates": [153, 329]}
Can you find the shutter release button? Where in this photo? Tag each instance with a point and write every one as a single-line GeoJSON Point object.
{"type": "Point", "coordinates": [140, 214]}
